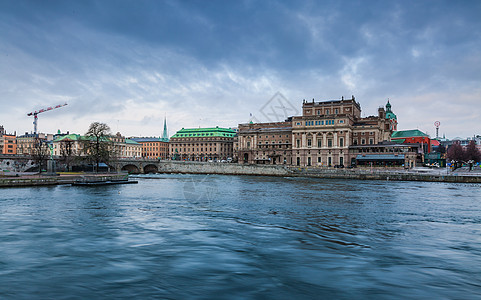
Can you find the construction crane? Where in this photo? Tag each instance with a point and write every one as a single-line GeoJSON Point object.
{"type": "Point", "coordinates": [35, 113]}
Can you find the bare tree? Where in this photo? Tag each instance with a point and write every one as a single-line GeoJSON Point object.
{"type": "Point", "coordinates": [97, 145]}
{"type": "Point", "coordinates": [40, 153]}
{"type": "Point", "coordinates": [68, 154]}
{"type": "Point", "coordinates": [456, 154]}
{"type": "Point", "coordinates": [472, 154]}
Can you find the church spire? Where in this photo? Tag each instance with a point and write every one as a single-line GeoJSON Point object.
{"type": "Point", "coordinates": [165, 134]}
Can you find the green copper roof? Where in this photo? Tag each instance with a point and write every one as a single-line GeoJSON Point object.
{"type": "Point", "coordinates": [73, 137]}
{"type": "Point", "coordinates": [129, 141]}
{"type": "Point", "coordinates": [389, 113]}
{"type": "Point", "coordinates": [205, 132]}
{"type": "Point", "coordinates": [407, 133]}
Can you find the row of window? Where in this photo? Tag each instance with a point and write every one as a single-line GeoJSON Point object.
{"type": "Point", "coordinates": [327, 111]}
{"type": "Point", "coordinates": [317, 123]}
{"type": "Point", "coordinates": [363, 142]}
{"type": "Point", "coordinates": [201, 150]}
{"type": "Point", "coordinates": [319, 161]}
{"type": "Point", "coordinates": [202, 144]}
{"type": "Point", "coordinates": [319, 143]}
{"type": "Point", "coordinates": [363, 133]}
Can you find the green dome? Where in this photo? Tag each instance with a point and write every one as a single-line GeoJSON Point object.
{"type": "Point", "coordinates": [389, 114]}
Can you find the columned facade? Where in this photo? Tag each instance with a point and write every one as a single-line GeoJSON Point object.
{"type": "Point", "coordinates": [321, 137]}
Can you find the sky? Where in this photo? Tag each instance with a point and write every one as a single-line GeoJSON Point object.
{"type": "Point", "coordinates": [207, 63]}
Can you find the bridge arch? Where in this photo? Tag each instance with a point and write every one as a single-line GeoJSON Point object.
{"type": "Point", "coordinates": [131, 169]}
{"type": "Point", "coordinates": [151, 169]}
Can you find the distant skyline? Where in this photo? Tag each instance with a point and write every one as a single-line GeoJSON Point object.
{"type": "Point", "coordinates": [213, 63]}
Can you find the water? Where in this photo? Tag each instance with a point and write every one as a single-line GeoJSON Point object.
{"type": "Point", "coordinates": [229, 237]}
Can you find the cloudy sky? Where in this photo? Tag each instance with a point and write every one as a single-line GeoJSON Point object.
{"type": "Point", "coordinates": [207, 63]}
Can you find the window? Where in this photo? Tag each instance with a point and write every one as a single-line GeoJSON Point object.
{"type": "Point", "coordinates": [329, 143]}
{"type": "Point", "coordinates": [308, 161]}
{"type": "Point", "coordinates": [371, 141]}
{"type": "Point", "coordinates": [318, 159]}
{"type": "Point", "coordinates": [319, 143]}
{"type": "Point", "coordinates": [298, 143]}
{"type": "Point", "coordinates": [336, 111]}
{"type": "Point", "coordinates": [309, 142]}
{"type": "Point", "coordinates": [363, 141]}
{"type": "Point", "coordinates": [327, 111]}
{"type": "Point", "coordinates": [341, 142]}
{"type": "Point", "coordinates": [248, 144]}
{"type": "Point", "coordinates": [318, 112]}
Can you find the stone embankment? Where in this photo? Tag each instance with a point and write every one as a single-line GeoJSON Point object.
{"type": "Point", "coordinates": [41, 180]}
{"type": "Point", "coordinates": [360, 174]}
{"type": "Point", "coordinates": [221, 168]}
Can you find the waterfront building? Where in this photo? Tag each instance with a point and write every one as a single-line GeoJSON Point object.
{"type": "Point", "coordinates": [8, 142]}
{"type": "Point", "coordinates": [26, 143]}
{"type": "Point", "coordinates": [386, 154]}
{"type": "Point", "coordinates": [414, 136]}
{"type": "Point", "coordinates": [153, 148]}
{"type": "Point", "coordinates": [325, 131]}
{"type": "Point", "coordinates": [124, 147]}
{"type": "Point", "coordinates": [69, 144]}
{"type": "Point", "coordinates": [202, 144]}
{"type": "Point", "coordinates": [265, 143]}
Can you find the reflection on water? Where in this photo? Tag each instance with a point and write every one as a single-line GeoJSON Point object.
{"type": "Point", "coordinates": [211, 236]}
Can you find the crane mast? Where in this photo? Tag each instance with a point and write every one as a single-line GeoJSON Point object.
{"type": "Point", "coordinates": [35, 113]}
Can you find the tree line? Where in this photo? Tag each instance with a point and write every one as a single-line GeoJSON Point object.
{"type": "Point", "coordinates": [458, 155]}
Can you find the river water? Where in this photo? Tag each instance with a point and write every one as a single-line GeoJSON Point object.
{"type": "Point", "coordinates": [238, 237]}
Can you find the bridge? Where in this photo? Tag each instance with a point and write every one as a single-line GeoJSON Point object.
{"type": "Point", "coordinates": [23, 163]}
{"type": "Point", "coordinates": [136, 166]}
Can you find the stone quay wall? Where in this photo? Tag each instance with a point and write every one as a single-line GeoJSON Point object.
{"type": "Point", "coordinates": [221, 168]}
{"type": "Point", "coordinates": [359, 174]}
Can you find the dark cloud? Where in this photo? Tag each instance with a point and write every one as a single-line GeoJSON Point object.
{"type": "Point", "coordinates": [108, 56]}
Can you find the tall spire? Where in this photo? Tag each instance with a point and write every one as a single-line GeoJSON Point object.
{"type": "Point", "coordinates": [165, 134]}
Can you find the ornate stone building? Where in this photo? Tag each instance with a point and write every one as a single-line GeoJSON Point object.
{"type": "Point", "coordinates": [322, 136]}
{"type": "Point", "coordinates": [265, 143]}
{"type": "Point", "coordinates": [325, 131]}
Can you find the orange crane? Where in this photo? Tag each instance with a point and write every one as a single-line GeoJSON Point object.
{"type": "Point", "coordinates": [35, 113]}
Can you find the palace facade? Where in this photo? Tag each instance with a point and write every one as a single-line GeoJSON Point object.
{"type": "Point", "coordinates": [322, 136]}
